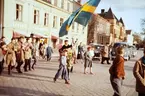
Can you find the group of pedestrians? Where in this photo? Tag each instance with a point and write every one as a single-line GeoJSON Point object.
{"type": "Point", "coordinates": [21, 51]}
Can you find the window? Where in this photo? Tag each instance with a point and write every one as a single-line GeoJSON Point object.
{"type": "Point", "coordinates": [46, 17]}
{"type": "Point", "coordinates": [19, 12]}
{"type": "Point", "coordinates": [54, 22]}
{"type": "Point", "coordinates": [68, 4]}
{"type": "Point", "coordinates": [55, 2]}
{"type": "Point", "coordinates": [62, 3]}
{"type": "Point", "coordinates": [61, 21]}
{"type": "Point", "coordinates": [36, 16]}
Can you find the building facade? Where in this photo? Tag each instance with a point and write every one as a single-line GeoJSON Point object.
{"type": "Point", "coordinates": [129, 37]}
{"type": "Point", "coordinates": [39, 17]}
{"type": "Point", "coordinates": [99, 30]}
{"type": "Point", "coordinates": [117, 27]}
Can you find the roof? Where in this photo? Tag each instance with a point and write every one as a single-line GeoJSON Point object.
{"type": "Point", "coordinates": [121, 20]}
{"type": "Point", "coordinates": [128, 32]}
{"type": "Point", "coordinates": [110, 15]}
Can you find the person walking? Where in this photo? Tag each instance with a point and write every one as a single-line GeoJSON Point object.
{"type": "Point", "coordinates": [28, 54]}
{"type": "Point", "coordinates": [2, 54]}
{"type": "Point", "coordinates": [34, 52]}
{"type": "Point", "coordinates": [139, 74]}
{"type": "Point", "coordinates": [62, 67]}
{"type": "Point", "coordinates": [20, 54]}
{"type": "Point", "coordinates": [88, 60]}
{"type": "Point", "coordinates": [105, 54]}
{"type": "Point", "coordinates": [70, 60]}
{"type": "Point", "coordinates": [117, 72]}
{"type": "Point", "coordinates": [10, 56]}
{"type": "Point", "coordinates": [80, 54]}
{"type": "Point", "coordinates": [49, 52]}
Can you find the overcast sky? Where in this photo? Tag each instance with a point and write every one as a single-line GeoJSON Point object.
{"type": "Point", "coordinates": [132, 11]}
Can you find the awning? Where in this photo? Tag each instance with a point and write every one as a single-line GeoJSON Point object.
{"type": "Point", "coordinates": [37, 35]}
{"type": "Point", "coordinates": [17, 35]}
{"type": "Point", "coordinates": [54, 37]}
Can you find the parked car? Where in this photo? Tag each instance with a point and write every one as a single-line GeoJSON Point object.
{"type": "Point", "coordinates": [127, 53]}
{"type": "Point", "coordinates": [97, 50]}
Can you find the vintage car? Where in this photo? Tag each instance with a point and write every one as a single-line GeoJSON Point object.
{"type": "Point", "coordinates": [127, 53]}
{"type": "Point", "coordinates": [97, 50]}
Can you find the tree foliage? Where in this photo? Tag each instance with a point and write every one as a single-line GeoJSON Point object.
{"type": "Point", "coordinates": [143, 25]}
{"type": "Point", "coordinates": [137, 38]}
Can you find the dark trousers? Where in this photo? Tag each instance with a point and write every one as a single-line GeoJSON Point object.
{"type": "Point", "coordinates": [116, 85]}
{"type": "Point", "coordinates": [27, 64]}
{"type": "Point", "coordinates": [48, 57]}
{"type": "Point", "coordinates": [141, 94]}
{"type": "Point", "coordinates": [71, 70]}
{"type": "Point", "coordinates": [105, 59]}
{"type": "Point", "coordinates": [1, 67]}
{"type": "Point", "coordinates": [34, 63]}
{"type": "Point", "coordinates": [68, 70]}
{"type": "Point", "coordinates": [19, 64]}
{"type": "Point", "coordinates": [9, 69]}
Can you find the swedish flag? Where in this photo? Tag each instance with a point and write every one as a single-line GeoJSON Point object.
{"type": "Point", "coordinates": [81, 16]}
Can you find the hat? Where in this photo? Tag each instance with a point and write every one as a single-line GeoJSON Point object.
{"type": "Point", "coordinates": [65, 40]}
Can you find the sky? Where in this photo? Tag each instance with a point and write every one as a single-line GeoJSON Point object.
{"type": "Point", "coordinates": [132, 11]}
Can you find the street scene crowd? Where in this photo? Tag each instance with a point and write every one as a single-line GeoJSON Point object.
{"type": "Point", "coordinates": [24, 52]}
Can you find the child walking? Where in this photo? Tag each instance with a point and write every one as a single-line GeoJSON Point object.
{"type": "Point", "coordinates": [62, 67]}
{"type": "Point", "coordinates": [88, 60]}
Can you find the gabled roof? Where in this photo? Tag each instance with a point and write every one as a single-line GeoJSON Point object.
{"type": "Point", "coordinates": [121, 20]}
{"type": "Point", "coordinates": [128, 32]}
{"type": "Point", "coordinates": [110, 15]}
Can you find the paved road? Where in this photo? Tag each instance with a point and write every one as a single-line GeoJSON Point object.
{"type": "Point", "coordinates": [40, 81]}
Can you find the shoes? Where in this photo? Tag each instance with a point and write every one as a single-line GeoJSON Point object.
{"type": "Point", "coordinates": [20, 72]}
{"type": "Point", "coordinates": [66, 82]}
{"type": "Point", "coordinates": [91, 73]}
{"type": "Point", "coordinates": [12, 67]}
{"type": "Point", "coordinates": [33, 68]}
{"type": "Point", "coordinates": [102, 63]}
{"type": "Point", "coordinates": [108, 63]}
{"type": "Point", "coordinates": [26, 70]}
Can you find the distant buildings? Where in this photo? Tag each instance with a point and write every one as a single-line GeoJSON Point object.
{"type": "Point", "coordinates": [42, 18]}
{"type": "Point", "coordinates": [129, 37]}
{"type": "Point", "coordinates": [108, 28]}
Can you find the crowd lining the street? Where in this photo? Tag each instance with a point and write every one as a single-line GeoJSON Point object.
{"type": "Point", "coordinates": [27, 50]}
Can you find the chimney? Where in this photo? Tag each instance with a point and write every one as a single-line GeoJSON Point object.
{"type": "Point", "coordinates": [79, 1]}
{"type": "Point", "coordinates": [102, 11]}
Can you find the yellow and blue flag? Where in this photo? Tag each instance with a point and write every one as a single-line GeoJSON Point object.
{"type": "Point", "coordinates": [81, 16]}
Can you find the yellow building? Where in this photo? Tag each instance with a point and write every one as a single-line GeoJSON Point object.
{"type": "Point", "coordinates": [117, 27]}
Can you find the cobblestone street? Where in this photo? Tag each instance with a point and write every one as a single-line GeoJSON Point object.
{"type": "Point", "coordinates": [40, 81]}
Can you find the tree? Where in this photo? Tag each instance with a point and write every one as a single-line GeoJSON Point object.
{"type": "Point", "coordinates": [143, 25]}
{"type": "Point", "coordinates": [137, 38]}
